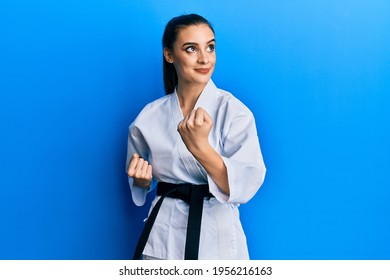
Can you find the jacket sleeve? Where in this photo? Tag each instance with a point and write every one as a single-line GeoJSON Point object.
{"type": "Point", "coordinates": [243, 159]}
{"type": "Point", "coordinates": [137, 144]}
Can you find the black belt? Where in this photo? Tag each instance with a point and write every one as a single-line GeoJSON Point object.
{"type": "Point", "coordinates": [193, 195]}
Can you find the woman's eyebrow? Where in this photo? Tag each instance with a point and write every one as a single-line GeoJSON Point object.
{"type": "Point", "coordinates": [194, 43]}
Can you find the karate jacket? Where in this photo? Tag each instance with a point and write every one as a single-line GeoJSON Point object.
{"type": "Point", "coordinates": [154, 136]}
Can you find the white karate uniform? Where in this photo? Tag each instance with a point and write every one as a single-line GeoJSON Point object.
{"type": "Point", "coordinates": [154, 136]}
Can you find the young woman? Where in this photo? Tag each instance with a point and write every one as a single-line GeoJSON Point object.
{"type": "Point", "coordinates": [199, 145]}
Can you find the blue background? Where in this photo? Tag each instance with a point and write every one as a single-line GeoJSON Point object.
{"type": "Point", "coordinates": [74, 74]}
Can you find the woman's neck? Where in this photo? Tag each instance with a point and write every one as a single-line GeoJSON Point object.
{"type": "Point", "coordinates": [188, 94]}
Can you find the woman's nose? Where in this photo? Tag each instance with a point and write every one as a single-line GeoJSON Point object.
{"type": "Point", "coordinates": [203, 57]}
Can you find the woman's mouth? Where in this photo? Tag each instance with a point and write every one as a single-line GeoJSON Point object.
{"type": "Point", "coordinates": [202, 70]}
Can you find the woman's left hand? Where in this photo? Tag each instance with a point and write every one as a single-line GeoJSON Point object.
{"type": "Point", "coordinates": [194, 129]}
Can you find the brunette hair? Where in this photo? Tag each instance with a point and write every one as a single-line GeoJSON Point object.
{"type": "Point", "coordinates": [169, 38]}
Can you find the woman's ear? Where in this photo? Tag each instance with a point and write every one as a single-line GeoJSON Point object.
{"type": "Point", "coordinates": [168, 55]}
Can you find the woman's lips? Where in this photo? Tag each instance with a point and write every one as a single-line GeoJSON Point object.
{"type": "Point", "coordinates": [203, 70]}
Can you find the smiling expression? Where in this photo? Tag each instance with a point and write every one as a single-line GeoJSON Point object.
{"type": "Point", "coordinates": [193, 54]}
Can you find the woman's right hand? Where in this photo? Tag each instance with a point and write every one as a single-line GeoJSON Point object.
{"type": "Point", "coordinates": [141, 171]}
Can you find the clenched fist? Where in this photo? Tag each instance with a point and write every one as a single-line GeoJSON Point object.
{"type": "Point", "coordinates": [194, 129]}
{"type": "Point", "coordinates": [140, 170]}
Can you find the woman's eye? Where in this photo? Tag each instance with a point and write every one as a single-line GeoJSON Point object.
{"type": "Point", "coordinates": [191, 49]}
{"type": "Point", "coordinates": [211, 48]}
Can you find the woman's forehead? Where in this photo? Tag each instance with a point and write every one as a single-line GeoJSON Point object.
{"type": "Point", "coordinates": [201, 33]}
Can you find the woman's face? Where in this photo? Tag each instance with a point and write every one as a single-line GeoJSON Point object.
{"type": "Point", "coordinates": [193, 54]}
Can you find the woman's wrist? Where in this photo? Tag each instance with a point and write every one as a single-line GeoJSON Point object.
{"type": "Point", "coordinates": [142, 183]}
